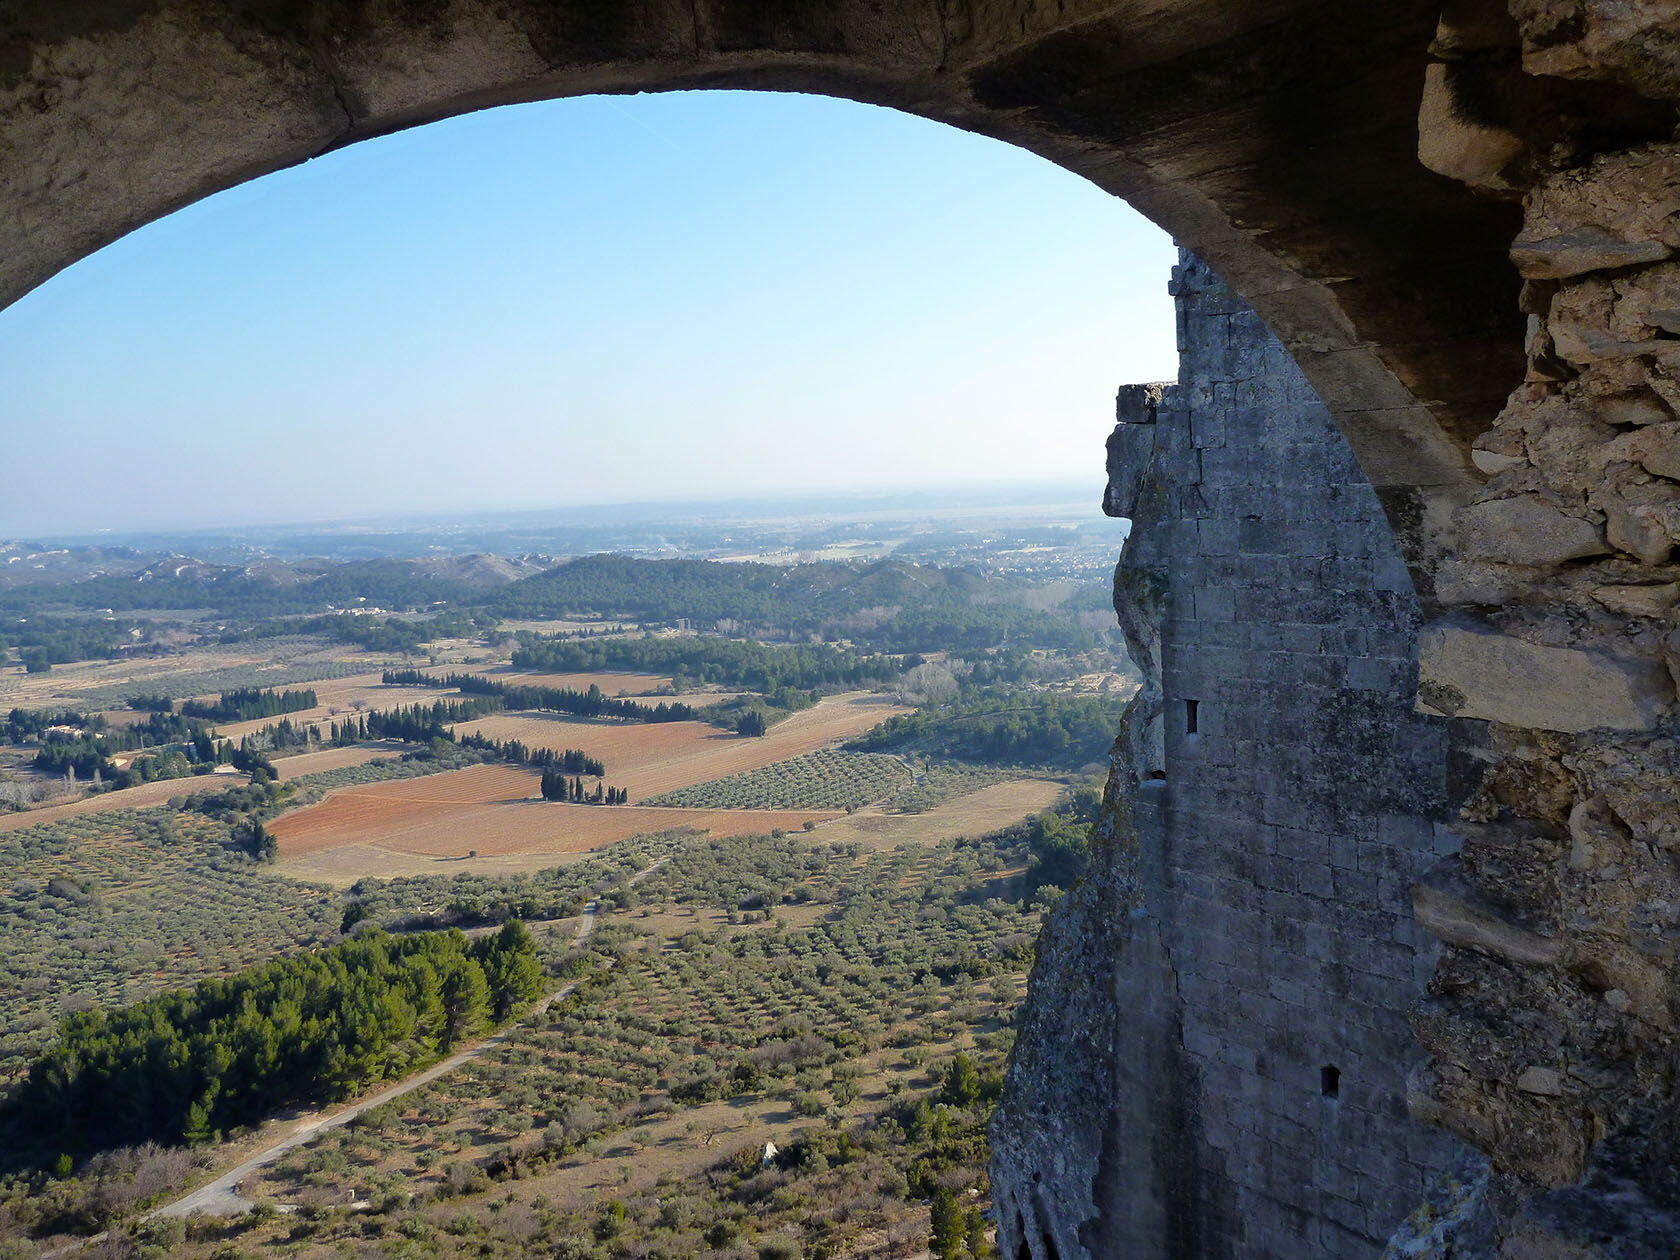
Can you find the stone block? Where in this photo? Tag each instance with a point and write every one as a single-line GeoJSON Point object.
{"type": "Point", "coordinates": [1458, 918]}
{"type": "Point", "coordinates": [1582, 249]}
{"type": "Point", "coordinates": [1475, 671]}
{"type": "Point", "coordinates": [1524, 530]}
{"type": "Point", "coordinates": [1620, 210]}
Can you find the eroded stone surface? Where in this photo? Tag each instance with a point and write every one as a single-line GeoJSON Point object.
{"type": "Point", "coordinates": [1555, 1056]}
{"type": "Point", "coordinates": [1474, 671]}
{"type": "Point", "coordinates": [1249, 919]}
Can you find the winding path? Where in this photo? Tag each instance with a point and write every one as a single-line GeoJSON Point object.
{"type": "Point", "coordinates": [221, 1197]}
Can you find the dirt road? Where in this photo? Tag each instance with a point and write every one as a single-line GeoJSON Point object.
{"type": "Point", "coordinates": [221, 1197]}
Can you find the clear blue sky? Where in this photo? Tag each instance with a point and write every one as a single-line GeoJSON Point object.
{"type": "Point", "coordinates": [595, 300]}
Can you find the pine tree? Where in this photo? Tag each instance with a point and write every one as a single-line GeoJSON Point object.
{"type": "Point", "coordinates": [466, 1002]}
{"type": "Point", "coordinates": [947, 1233]}
{"type": "Point", "coordinates": [196, 1127]}
{"type": "Point", "coordinates": [511, 967]}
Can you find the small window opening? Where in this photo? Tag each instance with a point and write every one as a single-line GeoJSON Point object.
{"type": "Point", "coordinates": [1330, 1081]}
{"type": "Point", "coordinates": [1190, 707]}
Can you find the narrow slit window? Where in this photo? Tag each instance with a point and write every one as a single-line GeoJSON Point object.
{"type": "Point", "coordinates": [1190, 707]}
{"type": "Point", "coordinates": [1330, 1081]}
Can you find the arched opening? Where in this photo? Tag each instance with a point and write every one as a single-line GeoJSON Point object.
{"type": "Point", "coordinates": [680, 296]}
{"type": "Point", "coordinates": [1205, 471]}
{"type": "Point", "coordinates": [1280, 143]}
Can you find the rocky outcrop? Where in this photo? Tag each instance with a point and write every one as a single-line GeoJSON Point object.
{"type": "Point", "coordinates": [1214, 1052]}
{"type": "Point", "coordinates": [1551, 1024]}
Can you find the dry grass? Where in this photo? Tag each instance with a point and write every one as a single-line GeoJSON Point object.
{"type": "Point", "coordinates": [973, 815]}
{"type": "Point", "coordinates": [337, 758]}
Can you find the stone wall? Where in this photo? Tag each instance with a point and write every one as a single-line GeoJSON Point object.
{"type": "Point", "coordinates": [1229, 990]}
{"type": "Point", "coordinates": [1551, 1024]}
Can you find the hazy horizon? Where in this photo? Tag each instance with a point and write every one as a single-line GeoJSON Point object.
{"type": "Point", "coordinates": [891, 501]}
{"type": "Point", "coordinates": [604, 300]}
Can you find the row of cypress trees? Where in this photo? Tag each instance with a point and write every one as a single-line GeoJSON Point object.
{"type": "Point", "coordinates": [557, 787]}
{"type": "Point", "coordinates": [590, 703]}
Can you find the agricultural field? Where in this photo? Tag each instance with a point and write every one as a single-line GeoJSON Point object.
{"type": "Point", "coordinates": [354, 693]}
{"type": "Point", "coordinates": [489, 818]}
{"type": "Point", "coordinates": [300, 764]}
{"type": "Point", "coordinates": [552, 892]}
{"type": "Point", "coordinates": [630, 1119]}
{"type": "Point", "coordinates": [108, 909]}
{"type": "Point", "coordinates": [90, 685]}
{"type": "Point", "coordinates": [364, 693]}
{"type": "Point", "coordinates": [141, 796]}
{"type": "Point", "coordinates": [651, 759]}
{"type": "Point", "coordinates": [825, 779]}
{"type": "Point", "coordinates": [610, 683]}
{"type": "Point", "coordinates": [972, 814]}
{"type": "Point", "coordinates": [831, 778]}
{"type": "Point", "coordinates": [483, 812]}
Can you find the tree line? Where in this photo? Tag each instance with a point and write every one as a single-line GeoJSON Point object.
{"type": "Point", "coordinates": [885, 606]}
{"type": "Point", "coordinates": [590, 703]}
{"type": "Point", "coordinates": [25, 726]}
{"type": "Point", "coordinates": [184, 1066]}
{"type": "Point", "coordinates": [175, 746]}
{"type": "Point", "coordinates": [730, 662]}
{"type": "Point", "coordinates": [246, 704]}
{"type": "Point", "coordinates": [414, 724]}
{"type": "Point", "coordinates": [709, 591]}
{"type": "Point", "coordinates": [1007, 727]}
{"type": "Point", "coordinates": [431, 723]}
{"type": "Point", "coordinates": [44, 641]}
{"type": "Point", "coordinates": [559, 760]}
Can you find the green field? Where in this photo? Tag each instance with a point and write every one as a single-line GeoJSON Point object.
{"type": "Point", "coordinates": [831, 778]}
{"type": "Point", "coordinates": [109, 908]}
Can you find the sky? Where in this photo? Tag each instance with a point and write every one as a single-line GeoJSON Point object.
{"type": "Point", "coordinates": [596, 300]}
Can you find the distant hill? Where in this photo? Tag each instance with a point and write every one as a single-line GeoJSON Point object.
{"type": "Point", "coordinates": [29, 564]}
{"type": "Point", "coordinates": [711, 590]}
{"type": "Point", "coordinates": [264, 587]}
{"type": "Point", "coordinates": [887, 605]}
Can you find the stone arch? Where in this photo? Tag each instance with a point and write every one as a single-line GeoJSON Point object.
{"type": "Point", "coordinates": [117, 112]}
{"type": "Point", "coordinates": [1280, 140]}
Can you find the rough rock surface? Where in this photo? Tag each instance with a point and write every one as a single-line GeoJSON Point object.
{"type": "Point", "coordinates": [1227, 993]}
{"type": "Point", "coordinates": [1551, 1024]}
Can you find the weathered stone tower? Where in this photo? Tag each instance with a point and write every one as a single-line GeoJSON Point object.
{"type": "Point", "coordinates": [1231, 989]}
